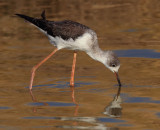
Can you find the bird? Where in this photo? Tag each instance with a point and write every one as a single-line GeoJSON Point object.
{"type": "Point", "coordinates": [73, 36]}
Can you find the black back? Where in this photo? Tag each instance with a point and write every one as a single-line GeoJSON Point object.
{"type": "Point", "coordinates": [65, 29]}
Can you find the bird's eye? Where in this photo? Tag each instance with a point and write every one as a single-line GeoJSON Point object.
{"type": "Point", "coordinates": [113, 65]}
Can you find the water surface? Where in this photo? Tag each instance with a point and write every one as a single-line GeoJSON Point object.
{"type": "Point", "coordinates": [130, 28]}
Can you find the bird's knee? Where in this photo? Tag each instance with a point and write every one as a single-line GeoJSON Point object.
{"type": "Point", "coordinates": [33, 69]}
{"type": "Point", "coordinates": [71, 84]}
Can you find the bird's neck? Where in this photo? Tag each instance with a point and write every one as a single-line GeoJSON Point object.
{"type": "Point", "coordinates": [97, 54]}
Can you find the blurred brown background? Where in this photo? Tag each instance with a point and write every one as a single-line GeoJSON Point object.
{"type": "Point", "coordinates": [120, 24]}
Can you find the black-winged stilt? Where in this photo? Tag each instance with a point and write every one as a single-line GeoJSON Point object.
{"type": "Point", "coordinates": [73, 36]}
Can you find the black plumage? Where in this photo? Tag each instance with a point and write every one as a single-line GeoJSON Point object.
{"type": "Point", "coordinates": [65, 29]}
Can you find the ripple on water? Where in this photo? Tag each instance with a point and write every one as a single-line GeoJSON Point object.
{"type": "Point", "coordinates": [113, 120]}
{"type": "Point", "coordinates": [138, 86]}
{"type": "Point", "coordinates": [98, 122]}
{"type": "Point", "coordinates": [80, 119]}
{"type": "Point", "coordinates": [134, 30]}
{"type": "Point", "coordinates": [158, 114]}
{"type": "Point", "coordinates": [140, 53]}
{"type": "Point", "coordinates": [128, 99]}
{"type": "Point", "coordinates": [63, 84]}
{"type": "Point", "coordinates": [55, 104]}
{"type": "Point", "coordinates": [4, 107]}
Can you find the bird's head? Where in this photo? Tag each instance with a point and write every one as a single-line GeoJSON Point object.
{"type": "Point", "coordinates": [112, 63]}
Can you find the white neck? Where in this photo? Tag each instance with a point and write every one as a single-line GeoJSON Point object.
{"type": "Point", "coordinates": [97, 54]}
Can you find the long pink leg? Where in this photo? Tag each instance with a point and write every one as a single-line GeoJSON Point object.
{"type": "Point", "coordinates": [38, 65]}
{"type": "Point", "coordinates": [72, 95]}
{"type": "Point", "coordinates": [73, 69]}
{"type": "Point", "coordinates": [72, 77]}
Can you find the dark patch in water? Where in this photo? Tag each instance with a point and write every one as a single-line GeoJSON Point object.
{"type": "Point", "coordinates": [140, 53]}
{"type": "Point", "coordinates": [135, 30]}
{"type": "Point", "coordinates": [139, 86]}
{"type": "Point", "coordinates": [55, 104]}
{"type": "Point", "coordinates": [128, 99]}
{"type": "Point", "coordinates": [105, 119]}
{"type": "Point", "coordinates": [63, 84]}
{"type": "Point", "coordinates": [1, 108]}
{"type": "Point", "coordinates": [158, 114]}
{"type": "Point", "coordinates": [80, 119]}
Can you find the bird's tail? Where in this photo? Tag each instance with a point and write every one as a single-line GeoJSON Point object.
{"type": "Point", "coordinates": [41, 23]}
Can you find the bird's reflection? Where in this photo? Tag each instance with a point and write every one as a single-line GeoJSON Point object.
{"type": "Point", "coordinates": [93, 121]}
{"type": "Point", "coordinates": [95, 125]}
{"type": "Point", "coordinates": [32, 96]}
{"type": "Point", "coordinates": [73, 95]}
{"type": "Point", "coordinates": [114, 109]}
{"type": "Point", "coordinates": [34, 99]}
{"type": "Point", "coordinates": [73, 100]}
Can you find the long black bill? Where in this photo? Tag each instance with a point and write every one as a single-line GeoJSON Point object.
{"type": "Point", "coordinates": [119, 82]}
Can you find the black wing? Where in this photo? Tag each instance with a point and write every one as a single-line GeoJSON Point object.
{"type": "Point", "coordinates": [65, 29]}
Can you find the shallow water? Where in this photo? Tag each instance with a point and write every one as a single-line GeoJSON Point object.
{"type": "Point", "coordinates": [130, 28]}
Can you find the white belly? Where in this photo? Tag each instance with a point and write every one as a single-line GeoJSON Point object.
{"type": "Point", "coordinates": [82, 43]}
